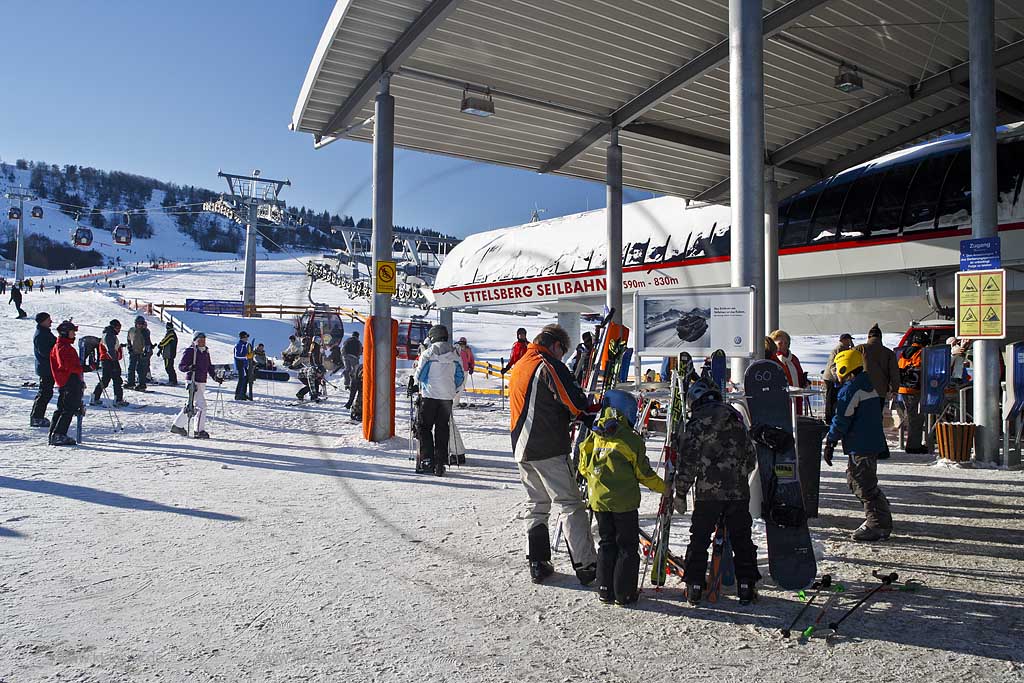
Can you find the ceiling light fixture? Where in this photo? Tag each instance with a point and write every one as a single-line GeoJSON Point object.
{"type": "Point", "coordinates": [848, 80]}
{"type": "Point", "coordinates": [477, 104]}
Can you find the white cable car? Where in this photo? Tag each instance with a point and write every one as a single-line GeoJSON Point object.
{"type": "Point", "coordinates": [122, 234]}
{"type": "Point", "coordinates": [82, 237]}
{"type": "Point", "coordinates": [37, 212]}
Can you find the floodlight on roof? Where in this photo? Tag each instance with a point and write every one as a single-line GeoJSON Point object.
{"type": "Point", "coordinates": [848, 80]}
{"type": "Point", "coordinates": [477, 104]}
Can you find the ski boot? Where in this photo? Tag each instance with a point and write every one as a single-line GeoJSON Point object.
{"type": "Point", "coordinates": [868, 534]}
{"type": "Point", "coordinates": [180, 431]}
{"type": "Point", "coordinates": [38, 422]}
{"type": "Point", "coordinates": [539, 548]}
{"type": "Point", "coordinates": [130, 387]}
{"type": "Point", "coordinates": [587, 575]}
{"type": "Point", "coordinates": [95, 401]}
{"type": "Point", "coordinates": [694, 592]}
{"type": "Point", "coordinates": [202, 434]}
{"type": "Point", "coordinates": [628, 600]}
{"type": "Point", "coordinates": [439, 468]}
{"type": "Point", "coordinates": [121, 403]}
{"type": "Point", "coordinates": [746, 592]}
{"type": "Point", "coordinates": [604, 594]}
{"type": "Point", "coordinates": [62, 440]}
{"type": "Point", "coordinates": [462, 459]}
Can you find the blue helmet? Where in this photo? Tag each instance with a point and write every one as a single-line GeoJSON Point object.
{"type": "Point", "coordinates": [701, 391]}
{"type": "Point", "coordinates": [622, 401]}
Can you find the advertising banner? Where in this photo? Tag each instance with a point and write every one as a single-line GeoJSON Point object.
{"type": "Point", "coordinates": [214, 306]}
{"type": "Point", "coordinates": [696, 320]}
{"type": "Point", "coordinates": [935, 362]}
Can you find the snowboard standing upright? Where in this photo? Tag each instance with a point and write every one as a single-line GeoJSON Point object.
{"type": "Point", "coordinates": [790, 554]}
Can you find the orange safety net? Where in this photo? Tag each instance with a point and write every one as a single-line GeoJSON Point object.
{"type": "Point", "coordinates": [369, 395]}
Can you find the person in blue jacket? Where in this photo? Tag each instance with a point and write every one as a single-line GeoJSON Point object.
{"type": "Point", "coordinates": [858, 424]}
{"type": "Point", "coordinates": [243, 356]}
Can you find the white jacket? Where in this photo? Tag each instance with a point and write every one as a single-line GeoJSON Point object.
{"type": "Point", "coordinates": [439, 372]}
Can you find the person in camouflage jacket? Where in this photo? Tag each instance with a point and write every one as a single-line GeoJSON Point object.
{"type": "Point", "coordinates": [716, 457]}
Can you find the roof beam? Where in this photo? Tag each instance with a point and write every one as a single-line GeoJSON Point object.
{"type": "Point", "coordinates": [711, 58]}
{"type": "Point", "coordinates": [1005, 102]}
{"type": "Point", "coordinates": [950, 78]}
{"type": "Point", "coordinates": [436, 12]}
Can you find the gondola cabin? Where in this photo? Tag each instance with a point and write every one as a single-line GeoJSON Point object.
{"type": "Point", "coordinates": [37, 212]}
{"type": "Point", "coordinates": [411, 334]}
{"type": "Point", "coordinates": [319, 322]}
{"type": "Point", "coordinates": [122, 235]}
{"type": "Point", "coordinates": [14, 214]}
{"type": "Point", "coordinates": [82, 237]}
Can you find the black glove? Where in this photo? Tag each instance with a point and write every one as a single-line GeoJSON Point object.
{"type": "Point", "coordinates": [159, 352]}
{"type": "Point", "coordinates": [827, 453]}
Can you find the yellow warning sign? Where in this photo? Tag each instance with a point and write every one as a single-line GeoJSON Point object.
{"type": "Point", "coordinates": [387, 279]}
{"type": "Point", "coordinates": [981, 304]}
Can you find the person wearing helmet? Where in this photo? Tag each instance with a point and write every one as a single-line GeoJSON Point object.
{"type": "Point", "coordinates": [909, 363]}
{"type": "Point", "coordinates": [243, 356]}
{"type": "Point", "coordinates": [111, 352]}
{"type": "Point", "coordinates": [858, 424]}
{"type": "Point", "coordinates": [352, 353]}
{"type": "Point", "coordinates": [198, 368]}
{"type": "Point", "coordinates": [440, 377]}
{"type": "Point", "coordinates": [614, 461]}
{"type": "Point", "coordinates": [42, 344]}
{"type": "Point", "coordinates": [168, 349]}
{"type": "Point", "coordinates": [716, 457]}
{"type": "Point", "coordinates": [140, 349]}
{"type": "Point", "coordinates": [66, 369]}
{"type": "Point", "coordinates": [544, 399]}
{"type": "Point", "coordinates": [518, 350]}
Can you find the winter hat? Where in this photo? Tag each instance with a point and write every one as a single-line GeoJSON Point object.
{"type": "Point", "coordinates": [140, 319]}
{"type": "Point", "coordinates": [845, 335]}
{"type": "Point", "coordinates": [243, 334]}
{"type": "Point", "coordinates": [66, 327]}
{"type": "Point", "coordinates": [521, 332]}
{"type": "Point", "coordinates": [198, 335]}
{"type": "Point", "coordinates": [40, 317]}
{"type": "Point", "coordinates": [437, 333]}
{"type": "Point", "coordinates": [552, 333]}
{"type": "Point", "coordinates": [875, 331]}
{"type": "Point", "coordinates": [170, 325]}
{"type": "Point", "coordinates": [355, 335]}
{"type": "Point", "coordinates": [115, 323]}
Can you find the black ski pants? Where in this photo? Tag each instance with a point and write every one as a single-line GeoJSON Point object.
{"type": "Point", "coordinates": [69, 402]}
{"type": "Point", "coordinates": [435, 416]}
{"type": "Point", "coordinates": [831, 395]}
{"type": "Point", "coordinates": [862, 478]}
{"type": "Point", "coordinates": [241, 388]}
{"type": "Point", "coordinates": [110, 371]}
{"type": "Point", "coordinates": [618, 557]}
{"type": "Point", "coordinates": [706, 514]}
{"type": "Point", "coordinates": [172, 376]}
{"type": "Point", "coordinates": [43, 397]}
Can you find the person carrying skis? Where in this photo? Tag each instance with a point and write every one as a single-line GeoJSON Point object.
{"type": "Point", "coordinates": [613, 458]}
{"type": "Point", "coordinates": [197, 366]}
{"type": "Point", "coordinates": [243, 356]}
{"type": "Point", "coordinates": [68, 376]}
{"type": "Point", "coordinates": [42, 344]}
{"type": "Point", "coordinates": [440, 376]}
{"type": "Point", "coordinates": [716, 457]}
{"type": "Point", "coordinates": [543, 399]}
{"type": "Point", "coordinates": [313, 373]}
{"type": "Point", "coordinates": [858, 424]}
{"type": "Point", "coordinates": [518, 350]}
{"type": "Point", "coordinates": [909, 363]}
{"type": "Point", "coordinates": [16, 300]}
{"type": "Point", "coordinates": [352, 353]}
{"type": "Point", "coordinates": [111, 352]}
{"type": "Point", "coordinates": [140, 348]}
{"type": "Point", "coordinates": [168, 349]}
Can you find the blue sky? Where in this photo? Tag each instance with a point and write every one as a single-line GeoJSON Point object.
{"type": "Point", "coordinates": [179, 90]}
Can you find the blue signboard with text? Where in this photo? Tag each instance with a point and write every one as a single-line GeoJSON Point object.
{"type": "Point", "coordinates": [980, 254]}
{"type": "Point", "coordinates": [215, 306]}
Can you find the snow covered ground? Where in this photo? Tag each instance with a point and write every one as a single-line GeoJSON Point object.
{"type": "Point", "coordinates": [287, 548]}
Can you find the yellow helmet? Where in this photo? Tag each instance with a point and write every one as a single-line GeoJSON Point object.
{"type": "Point", "coordinates": [848, 361]}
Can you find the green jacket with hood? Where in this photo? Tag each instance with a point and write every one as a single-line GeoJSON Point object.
{"type": "Point", "coordinates": [615, 465]}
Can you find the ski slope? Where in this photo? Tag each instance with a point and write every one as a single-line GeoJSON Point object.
{"type": "Point", "coordinates": [287, 548]}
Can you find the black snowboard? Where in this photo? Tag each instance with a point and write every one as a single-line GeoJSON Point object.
{"type": "Point", "coordinates": [790, 554]}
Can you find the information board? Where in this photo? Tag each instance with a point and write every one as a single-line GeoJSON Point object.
{"type": "Point", "coordinates": [981, 304]}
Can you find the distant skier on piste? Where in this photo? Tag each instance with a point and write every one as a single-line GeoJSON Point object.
{"type": "Point", "coordinates": [440, 376]}
{"type": "Point", "coordinates": [42, 344]}
{"type": "Point", "coordinates": [613, 458]}
{"type": "Point", "coordinates": [544, 398]}
{"type": "Point", "coordinates": [16, 300]}
{"type": "Point", "coordinates": [858, 424]}
{"type": "Point", "coordinates": [68, 375]}
{"type": "Point", "coordinates": [716, 457]}
{"type": "Point", "coordinates": [518, 350]}
{"type": "Point", "coordinates": [196, 364]}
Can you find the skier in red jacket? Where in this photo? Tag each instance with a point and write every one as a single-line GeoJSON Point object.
{"type": "Point", "coordinates": [68, 376]}
{"type": "Point", "coordinates": [518, 349]}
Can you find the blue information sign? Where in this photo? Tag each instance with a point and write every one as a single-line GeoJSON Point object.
{"type": "Point", "coordinates": [215, 306]}
{"type": "Point", "coordinates": [980, 254]}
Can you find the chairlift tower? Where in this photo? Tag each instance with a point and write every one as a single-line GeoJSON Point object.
{"type": "Point", "coordinates": [253, 192]}
{"type": "Point", "coordinates": [22, 195]}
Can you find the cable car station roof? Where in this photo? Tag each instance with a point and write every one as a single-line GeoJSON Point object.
{"type": "Point", "coordinates": [563, 73]}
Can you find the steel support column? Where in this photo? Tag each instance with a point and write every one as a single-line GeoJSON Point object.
{"type": "Point", "coordinates": [19, 256]}
{"type": "Point", "coordinates": [570, 322]}
{"type": "Point", "coordinates": [746, 157]}
{"type": "Point", "coordinates": [249, 278]}
{"type": "Point", "coordinates": [380, 307]}
{"type": "Point", "coordinates": [981, 39]}
{"type": "Point", "coordinates": [613, 179]}
{"type": "Point", "coordinates": [771, 251]}
{"type": "Point", "coordinates": [446, 317]}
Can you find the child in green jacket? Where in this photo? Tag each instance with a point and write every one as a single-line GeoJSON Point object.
{"type": "Point", "coordinates": [614, 461]}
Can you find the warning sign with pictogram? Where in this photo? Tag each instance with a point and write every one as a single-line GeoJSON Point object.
{"type": "Point", "coordinates": [981, 304]}
{"type": "Point", "coordinates": [387, 279]}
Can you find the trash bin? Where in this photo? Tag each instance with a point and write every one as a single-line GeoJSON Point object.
{"type": "Point", "coordinates": [810, 434]}
{"type": "Point", "coordinates": [955, 440]}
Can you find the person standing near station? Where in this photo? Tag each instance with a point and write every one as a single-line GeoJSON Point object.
{"type": "Point", "coordinates": [16, 300]}
{"type": "Point", "coordinates": [909, 364]}
{"type": "Point", "coordinates": [168, 349]}
{"type": "Point", "coordinates": [312, 373]}
{"type": "Point", "coordinates": [795, 375]}
{"type": "Point", "coordinates": [881, 365]}
{"type": "Point", "coordinates": [3, 286]}
{"type": "Point", "coordinates": [518, 350]}
{"type": "Point", "coordinates": [197, 366]}
{"type": "Point", "coordinates": [581, 359]}
{"type": "Point", "coordinates": [465, 352]}
{"type": "Point", "coordinates": [66, 369]}
{"type": "Point", "coordinates": [831, 383]}
{"type": "Point", "coordinates": [42, 344]}
{"type": "Point", "coordinates": [544, 398]}
{"type": "Point", "coordinates": [351, 354]}
{"type": "Point", "coordinates": [440, 377]}
{"type": "Point", "coordinates": [858, 424]}
{"type": "Point", "coordinates": [111, 352]}
{"type": "Point", "coordinates": [243, 355]}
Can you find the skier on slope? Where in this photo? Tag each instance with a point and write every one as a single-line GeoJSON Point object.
{"type": "Point", "coordinates": [16, 300]}
{"type": "Point", "coordinates": [111, 352]}
{"type": "Point", "coordinates": [544, 398]}
{"type": "Point", "coordinates": [197, 366]}
{"type": "Point", "coordinates": [858, 424]}
{"type": "Point", "coordinates": [440, 376]}
{"type": "Point", "coordinates": [613, 458]}
{"type": "Point", "coordinates": [518, 350]}
{"type": "Point", "coordinates": [168, 349]}
{"type": "Point", "coordinates": [68, 375]}
{"type": "Point", "coordinates": [42, 344]}
{"type": "Point", "coordinates": [716, 457]}
{"type": "Point", "coordinates": [313, 373]}
{"type": "Point", "coordinates": [243, 356]}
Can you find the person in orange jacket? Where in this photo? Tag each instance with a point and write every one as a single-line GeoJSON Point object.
{"type": "Point", "coordinates": [910, 391]}
{"type": "Point", "coordinates": [68, 375]}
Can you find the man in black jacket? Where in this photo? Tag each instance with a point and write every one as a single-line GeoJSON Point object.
{"type": "Point", "coordinates": [352, 352]}
{"type": "Point", "coordinates": [16, 300]}
{"type": "Point", "coordinates": [167, 349]}
{"type": "Point", "coordinates": [42, 344]}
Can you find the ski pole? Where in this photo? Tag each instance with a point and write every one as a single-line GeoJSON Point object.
{"type": "Point", "coordinates": [115, 421]}
{"type": "Point", "coordinates": [817, 587]}
{"type": "Point", "coordinates": [502, 383]}
{"type": "Point", "coordinates": [836, 589]}
{"type": "Point", "coordinates": [886, 579]}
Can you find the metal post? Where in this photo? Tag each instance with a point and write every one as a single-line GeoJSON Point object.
{"type": "Point", "coordinates": [771, 251]}
{"type": "Point", "coordinates": [613, 179]}
{"type": "Point", "coordinates": [249, 278]}
{"type": "Point", "coordinates": [570, 322]}
{"type": "Point", "coordinates": [380, 306]}
{"type": "Point", "coordinates": [19, 258]}
{"type": "Point", "coordinates": [746, 156]}
{"type": "Point", "coordinates": [446, 317]}
{"type": "Point", "coordinates": [981, 38]}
